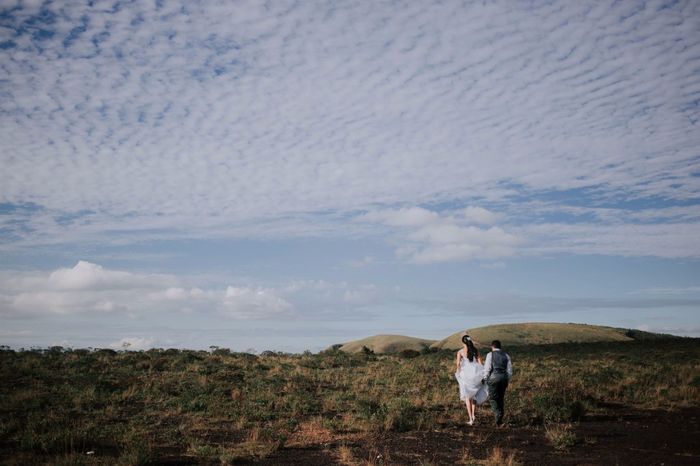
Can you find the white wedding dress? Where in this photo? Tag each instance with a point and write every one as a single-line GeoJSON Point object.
{"type": "Point", "coordinates": [469, 379]}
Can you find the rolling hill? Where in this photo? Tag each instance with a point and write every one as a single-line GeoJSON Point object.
{"type": "Point", "coordinates": [539, 333]}
{"type": "Point", "coordinates": [387, 344]}
{"type": "Point", "coordinates": [535, 333]}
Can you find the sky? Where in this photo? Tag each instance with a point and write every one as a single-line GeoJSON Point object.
{"type": "Point", "coordinates": [279, 175]}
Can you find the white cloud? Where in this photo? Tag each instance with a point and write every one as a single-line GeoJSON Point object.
{"type": "Point", "coordinates": [133, 343]}
{"type": "Point", "coordinates": [93, 289]}
{"type": "Point", "coordinates": [209, 120]}
{"type": "Point", "coordinates": [480, 215]}
{"type": "Point", "coordinates": [179, 294]}
{"type": "Point", "coordinates": [87, 276]}
{"type": "Point", "coordinates": [406, 217]}
{"type": "Point", "coordinates": [254, 303]}
{"type": "Point", "coordinates": [360, 296]}
{"type": "Point", "coordinates": [364, 262]}
{"type": "Point", "coordinates": [671, 241]}
{"type": "Point", "coordinates": [428, 237]}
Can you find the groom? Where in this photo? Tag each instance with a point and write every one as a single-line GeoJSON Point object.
{"type": "Point", "coordinates": [498, 370]}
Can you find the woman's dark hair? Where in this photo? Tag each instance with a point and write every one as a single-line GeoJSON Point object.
{"type": "Point", "coordinates": [472, 352]}
{"type": "Point", "coordinates": [471, 349]}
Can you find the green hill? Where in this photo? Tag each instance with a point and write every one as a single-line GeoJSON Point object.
{"type": "Point", "coordinates": [387, 344]}
{"type": "Point", "coordinates": [541, 333]}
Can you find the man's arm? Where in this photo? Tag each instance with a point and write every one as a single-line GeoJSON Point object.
{"type": "Point", "coordinates": [487, 367]}
{"type": "Point", "coordinates": [509, 367]}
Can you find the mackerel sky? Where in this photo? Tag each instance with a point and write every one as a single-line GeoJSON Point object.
{"type": "Point", "coordinates": [288, 175]}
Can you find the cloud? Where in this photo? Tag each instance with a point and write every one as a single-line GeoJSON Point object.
{"type": "Point", "coordinates": [668, 291]}
{"type": "Point", "coordinates": [480, 215]}
{"type": "Point", "coordinates": [133, 343]}
{"type": "Point", "coordinates": [251, 303]}
{"type": "Point", "coordinates": [360, 296]}
{"type": "Point", "coordinates": [89, 288]}
{"type": "Point", "coordinates": [428, 237]}
{"type": "Point", "coordinates": [363, 262]}
{"type": "Point", "coordinates": [672, 241]}
{"type": "Point", "coordinates": [406, 217]}
{"type": "Point", "coordinates": [154, 120]}
{"type": "Point", "coordinates": [87, 276]}
{"type": "Point", "coordinates": [519, 305]}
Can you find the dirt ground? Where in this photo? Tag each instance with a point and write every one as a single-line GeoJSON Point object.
{"type": "Point", "coordinates": [625, 437]}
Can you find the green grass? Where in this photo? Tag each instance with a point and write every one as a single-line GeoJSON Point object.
{"type": "Point", "coordinates": [220, 407]}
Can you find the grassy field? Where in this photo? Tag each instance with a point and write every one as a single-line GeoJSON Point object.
{"type": "Point", "coordinates": [62, 406]}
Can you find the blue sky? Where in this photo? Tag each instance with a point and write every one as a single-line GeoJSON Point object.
{"type": "Point", "coordinates": [289, 175]}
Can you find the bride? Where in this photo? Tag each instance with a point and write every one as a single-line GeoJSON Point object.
{"type": "Point", "coordinates": [469, 375]}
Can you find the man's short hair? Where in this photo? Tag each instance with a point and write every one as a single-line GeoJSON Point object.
{"type": "Point", "coordinates": [496, 344]}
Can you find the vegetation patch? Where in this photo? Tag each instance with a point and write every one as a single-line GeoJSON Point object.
{"type": "Point", "coordinates": [218, 406]}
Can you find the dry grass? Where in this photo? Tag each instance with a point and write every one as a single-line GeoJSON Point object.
{"type": "Point", "coordinates": [346, 457]}
{"type": "Point", "coordinates": [311, 432]}
{"type": "Point", "coordinates": [387, 344]}
{"type": "Point", "coordinates": [246, 451]}
{"type": "Point", "coordinates": [498, 457]}
{"type": "Point", "coordinates": [561, 436]}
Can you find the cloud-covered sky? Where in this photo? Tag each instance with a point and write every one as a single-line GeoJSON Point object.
{"type": "Point", "coordinates": [288, 175]}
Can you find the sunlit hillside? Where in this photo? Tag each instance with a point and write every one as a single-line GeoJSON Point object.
{"type": "Point", "coordinates": [539, 333]}
{"type": "Point", "coordinates": [387, 344]}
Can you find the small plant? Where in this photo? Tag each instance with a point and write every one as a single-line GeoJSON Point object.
{"type": "Point", "coordinates": [561, 436]}
{"type": "Point", "coordinates": [203, 450]}
{"type": "Point", "coordinates": [345, 456]}
{"type": "Point", "coordinates": [400, 415]}
{"type": "Point", "coordinates": [499, 458]}
{"type": "Point", "coordinates": [135, 455]}
{"type": "Point", "coordinates": [247, 451]}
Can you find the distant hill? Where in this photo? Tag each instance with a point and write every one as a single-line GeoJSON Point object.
{"type": "Point", "coordinates": [538, 333]}
{"type": "Point", "coordinates": [387, 344]}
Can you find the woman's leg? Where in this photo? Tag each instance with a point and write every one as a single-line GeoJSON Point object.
{"type": "Point", "coordinates": [468, 402]}
{"type": "Point", "coordinates": [473, 409]}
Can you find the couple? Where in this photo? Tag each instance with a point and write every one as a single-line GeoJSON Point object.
{"type": "Point", "coordinates": [474, 378]}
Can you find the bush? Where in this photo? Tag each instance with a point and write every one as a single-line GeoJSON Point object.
{"type": "Point", "coordinates": [409, 354]}
{"type": "Point", "coordinates": [561, 436]}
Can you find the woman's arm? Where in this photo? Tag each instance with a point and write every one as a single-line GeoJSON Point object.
{"type": "Point", "coordinates": [457, 359]}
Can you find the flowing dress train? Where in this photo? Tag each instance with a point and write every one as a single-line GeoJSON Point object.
{"type": "Point", "coordinates": [469, 380]}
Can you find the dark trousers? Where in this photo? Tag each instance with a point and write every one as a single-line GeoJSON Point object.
{"type": "Point", "coordinates": [497, 389]}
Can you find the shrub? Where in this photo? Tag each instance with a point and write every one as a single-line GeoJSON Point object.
{"type": "Point", "coordinates": [400, 415]}
{"type": "Point", "coordinates": [561, 436]}
{"type": "Point", "coordinates": [409, 354]}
